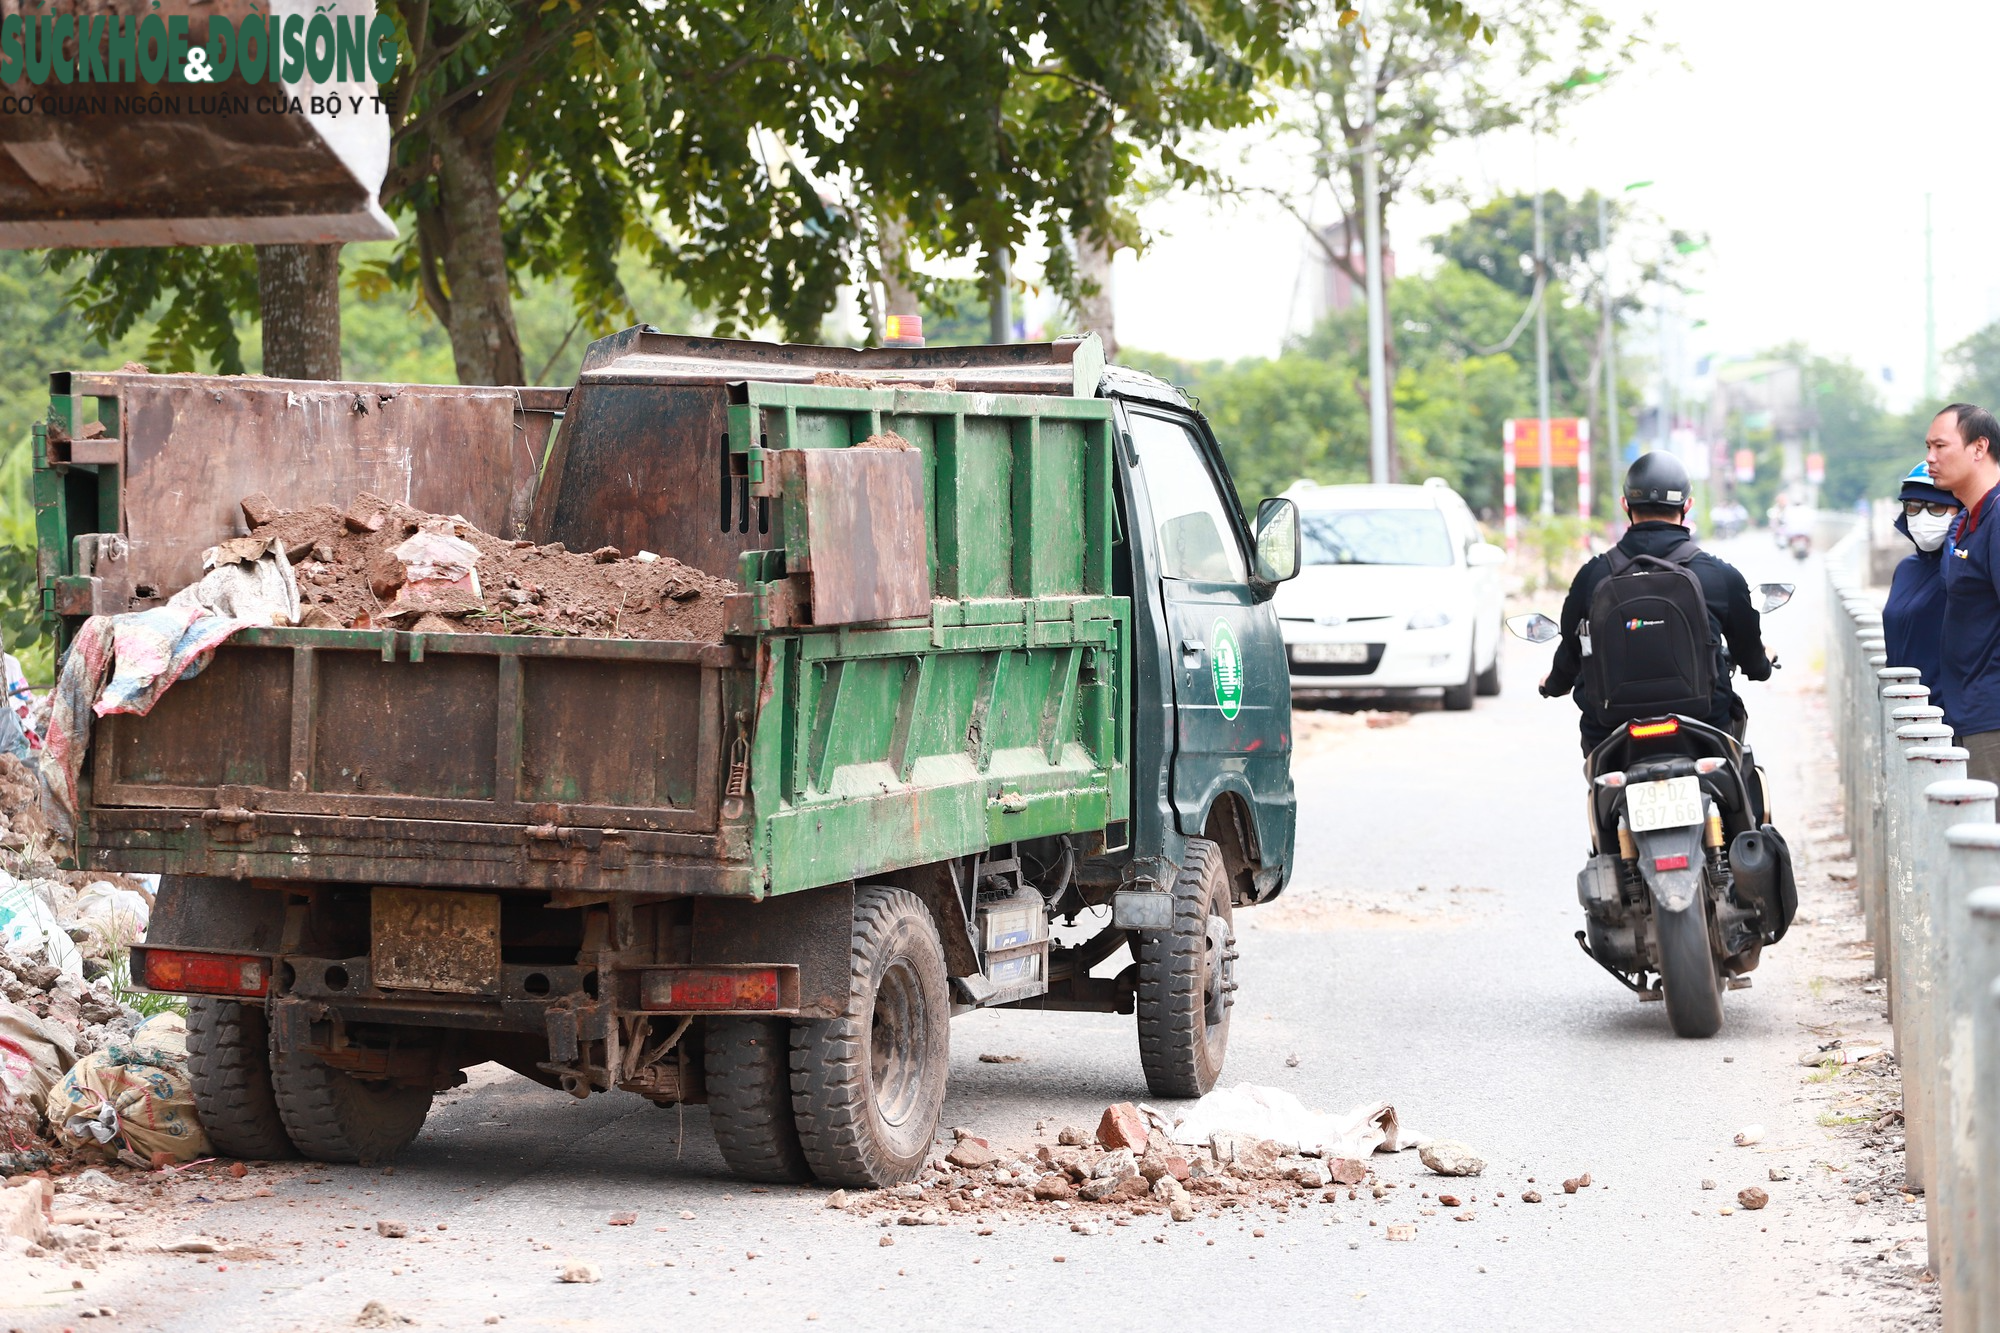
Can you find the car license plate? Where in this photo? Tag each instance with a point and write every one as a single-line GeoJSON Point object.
{"type": "Point", "coordinates": [427, 939]}
{"type": "Point", "coordinates": [1334, 654]}
{"type": "Point", "coordinates": [1674, 803]}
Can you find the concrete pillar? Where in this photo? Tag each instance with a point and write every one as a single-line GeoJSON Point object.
{"type": "Point", "coordinates": [1950, 804]}
{"type": "Point", "coordinates": [1913, 980]}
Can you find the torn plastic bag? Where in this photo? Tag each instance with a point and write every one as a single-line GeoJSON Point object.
{"type": "Point", "coordinates": [248, 579]}
{"type": "Point", "coordinates": [29, 925]}
{"type": "Point", "coordinates": [1254, 1112]}
{"type": "Point", "coordinates": [440, 574]}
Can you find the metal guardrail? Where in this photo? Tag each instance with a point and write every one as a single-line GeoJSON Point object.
{"type": "Point", "coordinates": [1927, 868]}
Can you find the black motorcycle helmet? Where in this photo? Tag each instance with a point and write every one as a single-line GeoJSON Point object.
{"type": "Point", "coordinates": [1657, 480]}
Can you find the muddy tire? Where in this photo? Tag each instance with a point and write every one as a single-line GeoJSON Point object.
{"type": "Point", "coordinates": [1458, 698]}
{"type": "Point", "coordinates": [333, 1116]}
{"type": "Point", "coordinates": [1487, 686]}
{"type": "Point", "coordinates": [1688, 973]}
{"type": "Point", "coordinates": [229, 1072]}
{"type": "Point", "coordinates": [749, 1076]}
{"type": "Point", "coordinates": [868, 1087]}
{"type": "Point", "coordinates": [1187, 980]}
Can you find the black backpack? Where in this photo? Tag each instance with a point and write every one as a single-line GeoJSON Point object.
{"type": "Point", "coordinates": [1652, 646]}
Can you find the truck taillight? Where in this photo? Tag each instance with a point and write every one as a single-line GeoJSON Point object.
{"type": "Point", "coordinates": [739, 990]}
{"type": "Point", "coordinates": [204, 973]}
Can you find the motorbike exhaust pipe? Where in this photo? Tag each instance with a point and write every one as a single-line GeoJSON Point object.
{"type": "Point", "coordinates": [1761, 865]}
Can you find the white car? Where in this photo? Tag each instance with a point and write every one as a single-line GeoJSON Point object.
{"type": "Point", "coordinates": [1399, 593]}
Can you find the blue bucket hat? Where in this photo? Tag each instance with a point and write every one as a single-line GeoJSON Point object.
{"type": "Point", "coordinates": [1917, 485]}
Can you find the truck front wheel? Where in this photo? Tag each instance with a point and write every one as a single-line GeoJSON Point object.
{"type": "Point", "coordinates": [229, 1072]}
{"type": "Point", "coordinates": [335, 1117]}
{"type": "Point", "coordinates": [868, 1086]}
{"type": "Point", "coordinates": [747, 1067]}
{"type": "Point", "coordinates": [1187, 979]}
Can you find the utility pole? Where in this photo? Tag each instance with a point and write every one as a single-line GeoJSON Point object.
{"type": "Point", "coordinates": [1930, 315]}
{"type": "Point", "coordinates": [1666, 423]}
{"type": "Point", "coordinates": [999, 311]}
{"type": "Point", "coordinates": [1542, 336]}
{"type": "Point", "coordinates": [1371, 211]}
{"type": "Point", "coordinates": [1610, 336]}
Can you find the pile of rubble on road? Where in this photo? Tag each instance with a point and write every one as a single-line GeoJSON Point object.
{"type": "Point", "coordinates": [377, 563]}
{"type": "Point", "coordinates": [1130, 1167]}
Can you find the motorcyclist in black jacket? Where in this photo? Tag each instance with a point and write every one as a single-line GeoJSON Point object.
{"type": "Point", "coordinates": [1657, 497]}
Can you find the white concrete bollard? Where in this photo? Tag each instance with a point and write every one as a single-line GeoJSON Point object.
{"type": "Point", "coordinates": [1974, 861]}
{"type": "Point", "coordinates": [1983, 959]}
{"type": "Point", "coordinates": [1913, 980]}
{"type": "Point", "coordinates": [1899, 687]}
{"type": "Point", "coordinates": [1868, 791]}
{"type": "Point", "coordinates": [1950, 804]}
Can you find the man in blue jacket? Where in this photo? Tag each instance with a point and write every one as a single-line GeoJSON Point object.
{"type": "Point", "coordinates": [1959, 448]}
{"type": "Point", "coordinates": [1913, 617]}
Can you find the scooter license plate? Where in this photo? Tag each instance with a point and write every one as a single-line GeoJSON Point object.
{"type": "Point", "coordinates": [1674, 803]}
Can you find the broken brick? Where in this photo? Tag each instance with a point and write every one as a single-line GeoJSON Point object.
{"type": "Point", "coordinates": [1122, 1127]}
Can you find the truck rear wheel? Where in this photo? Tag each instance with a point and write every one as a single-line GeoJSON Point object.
{"type": "Point", "coordinates": [335, 1117]}
{"type": "Point", "coordinates": [747, 1064]}
{"type": "Point", "coordinates": [229, 1073]}
{"type": "Point", "coordinates": [868, 1087]}
{"type": "Point", "coordinates": [1187, 979]}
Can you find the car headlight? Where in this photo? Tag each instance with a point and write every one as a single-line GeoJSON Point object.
{"type": "Point", "coordinates": [1430, 620]}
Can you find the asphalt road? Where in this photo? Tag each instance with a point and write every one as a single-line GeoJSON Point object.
{"type": "Point", "coordinates": [1424, 955]}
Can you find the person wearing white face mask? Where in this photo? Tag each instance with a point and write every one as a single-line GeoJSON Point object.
{"type": "Point", "coordinates": [1913, 617]}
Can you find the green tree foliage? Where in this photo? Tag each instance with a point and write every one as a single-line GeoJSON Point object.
{"type": "Point", "coordinates": [1867, 449]}
{"type": "Point", "coordinates": [1304, 413]}
{"type": "Point", "coordinates": [747, 150]}
{"type": "Point", "coordinates": [1976, 361]}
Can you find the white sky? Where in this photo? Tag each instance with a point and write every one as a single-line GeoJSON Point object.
{"type": "Point", "coordinates": [1800, 135]}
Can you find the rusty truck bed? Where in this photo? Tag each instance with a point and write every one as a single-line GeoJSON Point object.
{"type": "Point", "coordinates": [387, 757]}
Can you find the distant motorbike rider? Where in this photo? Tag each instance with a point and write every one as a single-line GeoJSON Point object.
{"type": "Point", "coordinates": [1657, 497]}
{"type": "Point", "coordinates": [1913, 617]}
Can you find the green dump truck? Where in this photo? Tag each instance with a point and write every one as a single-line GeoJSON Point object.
{"type": "Point", "coordinates": [1019, 668]}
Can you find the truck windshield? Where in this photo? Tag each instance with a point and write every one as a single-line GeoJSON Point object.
{"type": "Point", "coordinates": [1375, 537]}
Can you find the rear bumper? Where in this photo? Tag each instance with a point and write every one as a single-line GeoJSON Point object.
{"type": "Point", "coordinates": [435, 853]}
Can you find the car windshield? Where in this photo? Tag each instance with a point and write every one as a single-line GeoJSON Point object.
{"type": "Point", "coordinates": [1375, 537]}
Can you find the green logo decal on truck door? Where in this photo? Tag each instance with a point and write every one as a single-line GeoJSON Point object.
{"type": "Point", "coordinates": [1225, 663]}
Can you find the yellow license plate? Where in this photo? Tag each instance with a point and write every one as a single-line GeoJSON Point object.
{"type": "Point", "coordinates": [429, 939]}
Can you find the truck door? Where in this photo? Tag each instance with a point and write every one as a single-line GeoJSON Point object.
{"type": "Point", "coordinates": [1231, 693]}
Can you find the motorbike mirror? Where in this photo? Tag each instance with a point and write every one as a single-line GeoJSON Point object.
{"type": "Point", "coordinates": [1534, 627]}
{"type": "Point", "coordinates": [1774, 595]}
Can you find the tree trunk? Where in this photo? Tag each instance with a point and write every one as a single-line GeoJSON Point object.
{"type": "Point", "coordinates": [899, 296]}
{"type": "Point", "coordinates": [472, 250]}
{"type": "Point", "coordinates": [298, 299]}
{"type": "Point", "coordinates": [1094, 310]}
{"type": "Point", "coordinates": [1389, 366]}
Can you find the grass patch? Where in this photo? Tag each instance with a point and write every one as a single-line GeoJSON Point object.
{"type": "Point", "coordinates": [1829, 1070]}
{"type": "Point", "coordinates": [1830, 1120]}
{"type": "Point", "coordinates": [147, 1002]}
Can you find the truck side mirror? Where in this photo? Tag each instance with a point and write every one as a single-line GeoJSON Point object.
{"type": "Point", "coordinates": [1277, 541]}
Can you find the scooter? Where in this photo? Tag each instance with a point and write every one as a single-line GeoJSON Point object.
{"type": "Point", "coordinates": [1687, 880]}
{"type": "Point", "coordinates": [1800, 544]}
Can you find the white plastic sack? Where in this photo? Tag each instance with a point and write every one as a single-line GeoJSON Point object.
{"type": "Point", "coordinates": [1251, 1111]}
{"type": "Point", "coordinates": [248, 579]}
{"type": "Point", "coordinates": [28, 926]}
{"type": "Point", "coordinates": [116, 918]}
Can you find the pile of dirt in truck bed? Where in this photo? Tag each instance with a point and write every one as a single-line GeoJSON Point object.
{"type": "Point", "coordinates": [374, 563]}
